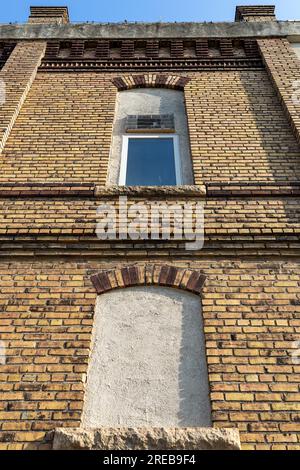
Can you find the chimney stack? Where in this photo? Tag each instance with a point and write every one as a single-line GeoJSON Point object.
{"type": "Point", "coordinates": [46, 15]}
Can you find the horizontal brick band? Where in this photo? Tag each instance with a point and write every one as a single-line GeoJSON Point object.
{"type": "Point", "coordinates": [171, 276]}
{"type": "Point", "coordinates": [132, 50]}
{"type": "Point", "coordinates": [162, 65]}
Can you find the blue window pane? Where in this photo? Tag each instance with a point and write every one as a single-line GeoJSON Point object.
{"type": "Point", "coordinates": [150, 162]}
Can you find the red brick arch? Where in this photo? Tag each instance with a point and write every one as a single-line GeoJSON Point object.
{"type": "Point", "coordinates": [129, 82]}
{"type": "Point", "coordinates": [149, 274]}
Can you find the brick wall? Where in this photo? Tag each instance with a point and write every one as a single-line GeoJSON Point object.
{"type": "Point", "coordinates": [64, 130]}
{"type": "Point", "coordinates": [250, 311]}
{"type": "Point", "coordinates": [238, 129]}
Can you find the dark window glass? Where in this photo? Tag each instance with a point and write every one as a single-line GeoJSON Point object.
{"type": "Point", "coordinates": [150, 162]}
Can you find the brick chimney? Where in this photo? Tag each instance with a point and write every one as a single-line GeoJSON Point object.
{"type": "Point", "coordinates": [56, 15]}
{"type": "Point", "coordinates": [255, 13]}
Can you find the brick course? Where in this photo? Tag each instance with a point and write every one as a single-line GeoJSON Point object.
{"type": "Point", "coordinates": [46, 15]}
{"type": "Point", "coordinates": [255, 13]}
{"type": "Point", "coordinates": [18, 75]}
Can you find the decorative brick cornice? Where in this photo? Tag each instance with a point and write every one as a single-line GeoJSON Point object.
{"type": "Point", "coordinates": [133, 50]}
{"type": "Point", "coordinates": [47, 190]}
{"type": "Point", "coordinates": [150, 81]}
{"type": "Point", "coordinates": [149, 274]}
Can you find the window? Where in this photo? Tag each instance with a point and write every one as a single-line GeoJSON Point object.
{"type": "Point", "coordinates": [148, 120]}
{"type": "Point", "coordinates": [150, 160]}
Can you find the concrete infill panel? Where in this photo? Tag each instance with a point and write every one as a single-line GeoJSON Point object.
{"type": "Point", "coordinates": [146, 439]}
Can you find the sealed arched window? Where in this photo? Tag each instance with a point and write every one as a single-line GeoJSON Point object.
{"type": "Point", "coordinates": [148, 362]}
{"type": "Point", "coordinates": [150, 144]}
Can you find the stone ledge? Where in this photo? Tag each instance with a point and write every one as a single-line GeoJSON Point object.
{"type": "Point", "coordinates": [155, 191]}
{"type": "Point", "coordinates": [146, 439]}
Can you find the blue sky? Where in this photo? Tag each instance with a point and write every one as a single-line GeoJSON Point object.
{"type": "Point", "coordinates": [140, 10]}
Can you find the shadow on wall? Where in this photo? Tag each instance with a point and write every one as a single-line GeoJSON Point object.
{"type": "Point", "coordinates": [150, 101]}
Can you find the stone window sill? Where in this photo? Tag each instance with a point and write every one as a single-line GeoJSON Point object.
{"type": "Point", "coordinates": [146, 439]}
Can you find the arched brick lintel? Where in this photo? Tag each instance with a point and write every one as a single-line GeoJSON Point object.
{"type": "Point", "coordinates": [129, 82]}
{"type": "Point", "coordinates": [149, 274]}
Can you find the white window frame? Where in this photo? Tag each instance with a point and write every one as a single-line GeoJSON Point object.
{"type": "Point", "coordinates": [296, 48]}
{"type": "Point", "coordinates": [124, 155]}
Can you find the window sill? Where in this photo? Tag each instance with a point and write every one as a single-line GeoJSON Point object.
{"type": "Point", "coordinates": [170, 191]}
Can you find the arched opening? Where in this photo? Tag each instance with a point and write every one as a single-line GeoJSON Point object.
{"type": "Point", "coordinates": [148, 363]}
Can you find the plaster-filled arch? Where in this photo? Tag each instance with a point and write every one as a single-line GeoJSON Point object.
{"type": "Point", "coordinates": [148, 363]}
